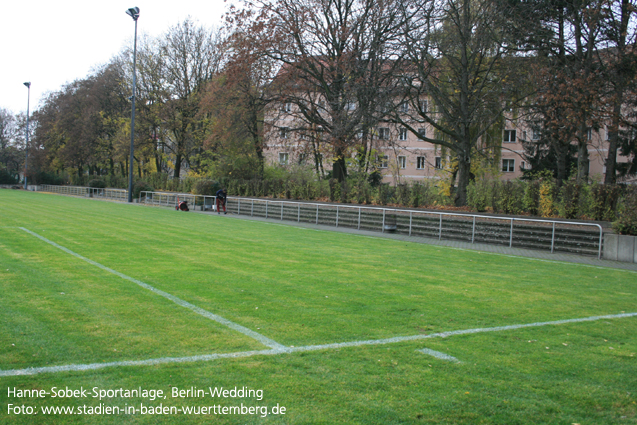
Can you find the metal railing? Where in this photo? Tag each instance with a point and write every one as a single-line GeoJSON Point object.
{"type": "Point", "coordinates": [550, 235]}
{"type": "Point", "coordinates": [87, 192]}
{"type": "Point", "coordinates": [201, 202]}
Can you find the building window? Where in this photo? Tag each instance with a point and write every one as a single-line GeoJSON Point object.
{"type": "Point", "coordinates": [383, 133]}
{"type": "Point", "coordinates": [589, 134]}
{"type": "Point", "coordinates": [402, 134]}
{"type": "Point", "coordinates": [350, 106]}
{"type": "Point", "coordinates": [302, 158]}
{"type": "Point", "coordinates": [402, 162]}
{"type": "Point", "coordinates": [509, 136]}
{"type": "Point", "coordinates": [421, 162]}
{"type": "Point", "coordinates": [522, 165]}
{"type": "Point", "coordinates": [422, 106]}
{"type": "Point", "coordinates": [403, 107]}
{"type": "Point", "coordinates": [438, 163]}
{"type": "Point", "coordinates": [283, 158]}
{"type": "Point", "coordinates": [287, 107]}
{"type": "Point", "coordinates": [422, 132]}
{"type": "Point", "coordinates": [536, 134]}
{"type": "Point", "coordinates": [508, 165]}
{"type": "Point", "coordinates": [285, 132]}
{"type": "Point", "coordinates": [383, 161]}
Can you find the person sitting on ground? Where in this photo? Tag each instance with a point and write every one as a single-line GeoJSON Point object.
{"type": "Point", "coordinates": [221, 200]}
{"type": "Point", "coordinates": [183, 206]}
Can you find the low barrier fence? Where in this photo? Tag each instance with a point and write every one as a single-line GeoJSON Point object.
{"type": "Point", "coordinates": [549, 235]}
{"type": "Point", "coordinates": [88, 192]}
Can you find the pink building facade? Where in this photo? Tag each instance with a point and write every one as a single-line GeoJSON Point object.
{"type": "Point", "coordinates": [402, 156]}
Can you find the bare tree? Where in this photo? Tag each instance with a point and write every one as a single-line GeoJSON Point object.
{"type": "Point", "coordinates": [11, 153]}
{"type": "Point", "coordinates": [460, 79]}
{"type": "Point", "coordinates": [621, 68]}
{"type": "Point", "coordinates": [191, 56]}
{"type": "Point", "coordinates": [337, 58]}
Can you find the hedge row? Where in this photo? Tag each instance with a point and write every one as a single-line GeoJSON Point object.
{"type": "Point", "coordinates": [540, 197]}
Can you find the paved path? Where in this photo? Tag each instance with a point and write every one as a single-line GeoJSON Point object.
{"type": "Point", "coordinates": [503, 250]}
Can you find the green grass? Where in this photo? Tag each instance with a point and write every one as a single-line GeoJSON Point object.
{"type": "Point", "coordinates": [305, 287]}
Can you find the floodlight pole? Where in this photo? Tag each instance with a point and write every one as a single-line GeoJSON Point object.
{"type": "Point", "coordinates": [26, 145]}
{"type": "Point", "coordinates": [133, 12]}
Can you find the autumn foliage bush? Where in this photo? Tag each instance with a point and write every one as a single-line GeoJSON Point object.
{"type": "Point", "coordinates": [626, 224]}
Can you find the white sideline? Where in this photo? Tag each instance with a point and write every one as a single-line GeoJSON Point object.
{"type": "Point", "coordinates": [208, 357]}
{"type": "Point", "coordinates": [248, 332]}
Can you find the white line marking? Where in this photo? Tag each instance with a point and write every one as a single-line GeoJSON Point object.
{"type": "Point", "coordinates": [150, 362]}
{"type": "Point", "coordinates": [248, 332]}
{"type": "Point", "coordinates": [452, 333]}
{"type": "Point", "coordinates": [208, 357]}
{"type": "Point", "coordinates": [439, 355]}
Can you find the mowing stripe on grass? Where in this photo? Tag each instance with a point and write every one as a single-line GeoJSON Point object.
{"type": "Point", "coordinates": [208, 357]}
{"type": "Point", "coordinates": [248, 332]}
{"type": "Point", "coordinates": [439, 355]}
{"type": "Point", "coordinates": [415, 240]}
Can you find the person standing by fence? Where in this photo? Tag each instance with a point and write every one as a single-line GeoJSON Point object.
{"type": "Point", "coordinates": [221, 200]}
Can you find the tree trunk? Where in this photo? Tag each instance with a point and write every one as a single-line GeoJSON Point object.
{"type": "Point", "coordinates": [158, 162]}
{"type": "Point", "coordinates": [464, 175]}
{"type": "Point", "coordinates": [613, 142]}
{"type": "Point", "coordinates": [561, 157]}
{"type": "Point", "coordinates": [582, 162]}
{"type": "Point", "coordinates": [611, 160]}
{"type": "Point", "coordinates": [177, 170]}
{"type": "Point", "coordinates": [339, 168]}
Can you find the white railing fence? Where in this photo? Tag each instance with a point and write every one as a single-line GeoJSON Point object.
{"type": "Point", "coordinates": [550, 235]}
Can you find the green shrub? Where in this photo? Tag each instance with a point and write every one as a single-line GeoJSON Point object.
{"type": "Point", "coordinates": [7, 178]}
{"type": "Point", "coordinates": [48, 178]}
{"type": "Point", "coordinates": [547, 197]}
{"type": "Point", "coordinates": [335, 190]}
{"type": "Point", "coordinates": [141, 186]}
{"type": "Point", "coordinates": [403, 194]}
{"type": "Point", "coordinates": [507, 197]}
{"type": "Point", "coordinates": [569, 199]}
{"type": "Point", "coordinates": [531, 198]}
{"type": "Point", "coordinates": [206, 187]}
{"type": "Point", "coordinates": [385, 194]}
{"type": "Point", "coordinates": [626, 224]}
{"type": "Point", "coordinates": [605, 198]}
{"type": "Point", "coordinates": [421, 194]}
{"type": "Point", "coordinates": [478, 194]}
{"type": "Point", "coordinates": [97, 183]}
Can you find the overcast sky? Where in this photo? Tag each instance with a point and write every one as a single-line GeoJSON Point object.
{"type": "Point", "coordinates": [50, 43]}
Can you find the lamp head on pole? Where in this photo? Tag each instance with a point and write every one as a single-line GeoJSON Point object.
{"type": "Point", "coordinates": [133, 12]}
{"type": "Point", "coordinates": [28, 84]}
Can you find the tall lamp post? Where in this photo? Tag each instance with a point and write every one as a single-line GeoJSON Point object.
{"type": "Point", "coordinates": [133, 12]}
{"type": "Point", "coordinates": [26, 145]}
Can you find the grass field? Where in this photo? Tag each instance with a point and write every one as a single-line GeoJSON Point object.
{"type": "Point", "coordinates": [212, 301]}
